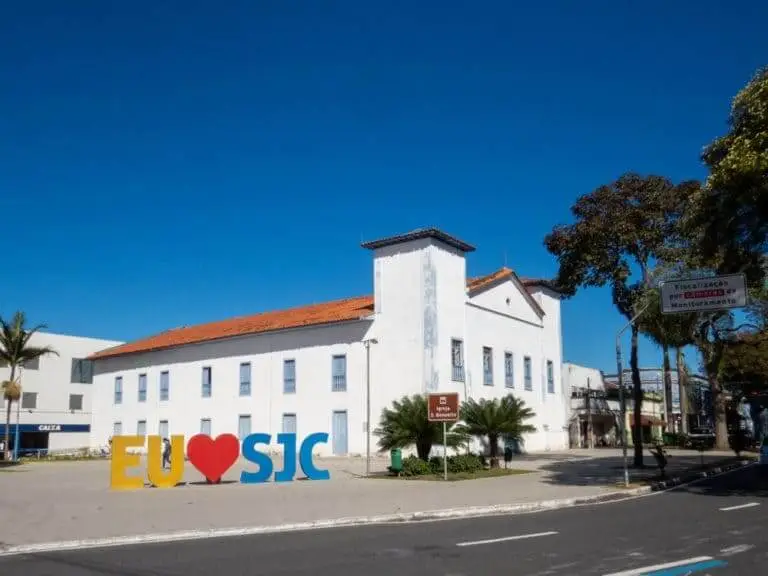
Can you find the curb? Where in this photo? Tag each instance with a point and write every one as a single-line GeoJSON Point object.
{"type": "Point", "coordinates": [695, 476]}
{"type": "Point", "coordinates": [399, 518]}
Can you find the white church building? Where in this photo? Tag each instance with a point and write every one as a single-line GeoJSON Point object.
{"type": "Point", "coordinates": [426, 328]}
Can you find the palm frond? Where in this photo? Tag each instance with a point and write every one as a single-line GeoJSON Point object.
{"type": "Point", "coordinates": [14, 341]}
{"type": "Point", "coordinates": [31, 353]}
{"type": "Point", "coordinates": [405, 424]}
{"type": "Point", "coordinates": [493, 419]}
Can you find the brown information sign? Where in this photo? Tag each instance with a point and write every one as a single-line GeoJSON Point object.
{"type": "Point", "coordinates": [443, 407]}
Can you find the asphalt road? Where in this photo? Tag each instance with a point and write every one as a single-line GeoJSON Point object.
{"type": "Point", "coordinates": [698, 525]}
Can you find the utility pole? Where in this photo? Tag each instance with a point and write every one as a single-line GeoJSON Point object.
{"type": "Point", "coordinates": [590, 441]}
{"type": "Point", "coordinates": [368, 404]}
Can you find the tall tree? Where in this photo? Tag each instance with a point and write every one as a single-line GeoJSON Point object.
{"type": "Point", "coordinates": [710, 338]}
{"type": "Point", "coordinates": [744, 367]}
{"type": "Point", "coordinates": [619, 228]}
{"type": "Point", "coordinates": [15, 351]}
{"type": "Point", "coordinates": [729, 215]}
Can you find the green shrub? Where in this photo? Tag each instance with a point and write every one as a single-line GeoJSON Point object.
{"type": "Point", "coordinates": [674, 439]}
{"type": "Point", "coordinates": [413, 466]}
{"type": "Point", "coordinates": [456, 464]}
{"type": "Point", "coordinates": [464, 463]}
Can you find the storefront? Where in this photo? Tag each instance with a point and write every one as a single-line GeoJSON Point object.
{"type": "Point", "coordinates": [39, 438]}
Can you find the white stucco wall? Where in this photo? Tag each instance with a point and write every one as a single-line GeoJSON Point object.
{"type": "Point", "coordinates": [421, 305]}
{"type": "Point", "coordinates": [532, 337]}
{"type": "Point", "coordinates": [313, 402]}
{"type": "Point", "coordinates": [52, 383]}
{"type": "Point", "coordinates": [576, 377]}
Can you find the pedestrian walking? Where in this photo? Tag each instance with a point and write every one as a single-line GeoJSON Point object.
{"type": "Point", "coordinates": [166, 453]}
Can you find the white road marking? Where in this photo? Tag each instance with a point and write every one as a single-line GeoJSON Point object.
{"type": "Point", "coordinates": [738, 549]}
{"type": "Point", "coordinates": [506, 539]}
{"type": "Point", "coordinates": [646, 569]}
{"type": "Point", "coordinates": [740, 506]}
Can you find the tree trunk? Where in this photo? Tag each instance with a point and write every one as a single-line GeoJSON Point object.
{"type": "Point", "coordinates": [637, 408]}
{"type": "Point", "coordinates": [8, 430]}
{"type": "Point", "coordinates": [712, 353]}
{"type": "Point", "coordinates": [423, 449]}
{"type": "Point", "coordinates": [8, 419]}
{"type": "Point", "coordinates": [721, 422]}
{"type": "Point", "coordinates": [667, 390]}
{"type": "Point", "coordinates": [682, 384]}
{"type": "Point", "coordinates": [493, 441]}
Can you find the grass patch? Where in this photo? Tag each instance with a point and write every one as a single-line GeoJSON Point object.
{"type": "Point", "coordinates": [456, 476]}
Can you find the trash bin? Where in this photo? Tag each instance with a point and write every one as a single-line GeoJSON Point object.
{"type": "Point", "coordinates": [396, 460]}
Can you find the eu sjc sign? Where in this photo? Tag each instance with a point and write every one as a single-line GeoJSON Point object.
{"type": "Point", "coordinates": [213, 458]}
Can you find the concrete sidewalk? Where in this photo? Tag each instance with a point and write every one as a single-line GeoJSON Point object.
{"type": "Point", "coordinates": [55, 501]}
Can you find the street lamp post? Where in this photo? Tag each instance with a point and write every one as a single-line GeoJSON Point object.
{"type": "Point", "coordinates": [367, 344]}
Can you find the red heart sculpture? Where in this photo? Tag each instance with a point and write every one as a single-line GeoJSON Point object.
{"type": "Point", "coordinates": [213, 457]}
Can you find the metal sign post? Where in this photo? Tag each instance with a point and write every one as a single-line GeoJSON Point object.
{"type": "Point", "coordinates": [445, 451]}
{"type": "Point", "coordinates": [443, 407]}
{"type": "Point", "coordinates": [702, 294]}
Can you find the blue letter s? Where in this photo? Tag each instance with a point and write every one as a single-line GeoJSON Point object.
{"type": "Point", "coordinates": [305, 457]}
{"type": "Point", "coordinates": [264, 462]}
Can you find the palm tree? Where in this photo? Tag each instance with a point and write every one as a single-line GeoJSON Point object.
{"type": "Point", "coordinates": [494, 419]}
{"type": "Point", "coordinates": [670, 331]}
{"type": "Point", "coordinates": [15, 351]}
{"type": "Point", "coordinates": [406, 424]}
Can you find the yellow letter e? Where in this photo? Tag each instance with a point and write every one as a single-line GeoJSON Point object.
{"type": "Point", "coordinates": [121, 460]}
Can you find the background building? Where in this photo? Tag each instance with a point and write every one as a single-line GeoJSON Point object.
{"type": "Point", "coordinates": [55, 408]}
{"type": "Point", "coordinates": [593, 419]}
{"type": "Point", "coordinates": [595, 415]}
{"type": "Point", "coordinates": [699, 398]}
{"type": "Point", "coordinates": [426, 328]}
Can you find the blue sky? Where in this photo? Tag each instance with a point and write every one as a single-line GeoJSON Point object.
{"type": "Point", "coordinates": [168, 163]}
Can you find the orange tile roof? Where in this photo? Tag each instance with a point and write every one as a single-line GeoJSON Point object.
{"type": "Point", "coordinates": [504, 272]}
{"type": "Point", "coordinates": [475, 284]}
{"type": "Point", "coordinates": [312, 315]}
{"type": "Point", "coordinates": [345, 310]}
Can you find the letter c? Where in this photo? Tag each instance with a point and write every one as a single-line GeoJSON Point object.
{"type": "Point", "coordinates": [305, 457]}
{"type": "Point", "coordinates": [262, 460]}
